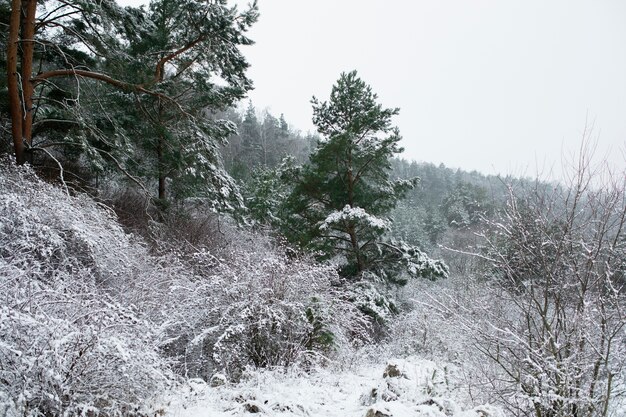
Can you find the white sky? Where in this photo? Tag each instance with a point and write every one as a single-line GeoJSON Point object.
{"type": "Point", "coordinates": [501, 86]}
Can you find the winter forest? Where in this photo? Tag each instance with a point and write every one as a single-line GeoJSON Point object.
{"type": "Point", "coordinates": [169, 249]}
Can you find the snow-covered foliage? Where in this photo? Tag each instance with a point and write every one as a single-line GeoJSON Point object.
{"type": "Point", "coordinates": [354, 215]}
{"type": "Point", "coordinates": [92, 322]}
{"type": "Point", "coordinates": [258, 308]}
{"type": "Point", "coordinates": [266, 192]}
{"type": "Point", "coordinates": [369, 296]}
{"type": "Point", "coordinates": [69, 343]}
{"type": "Point", "coordinates": [404, 261]}
{"type": "Point", "coordinates": [204, 177]}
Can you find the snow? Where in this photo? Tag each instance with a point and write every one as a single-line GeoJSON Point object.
{"type": "Point", "coordinates": [7, 406]}
{"type": "Point", "coordinates": [86, 313]}
{"type": "Point", "coordinates": [423, 388]}
{"type": "Point", "coordinates": [352, 214]}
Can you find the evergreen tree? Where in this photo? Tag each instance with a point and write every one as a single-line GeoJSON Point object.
{"type": "Point", "coordinates": [340, 201]}
{"type": "Point", "coordinates": [266, 191]}
{"type": "Point", "coordinates": [284, 126]}
{"type": "Point", "coordinates": [271, 141]}
{"type": "Point", "coordinates": [206, 73]}
{"type": "Point", "coordinates": [135, 88]}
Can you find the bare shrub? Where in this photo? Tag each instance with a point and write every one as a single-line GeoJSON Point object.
{"type": "Point", "coordinates": [133, 208]}
{"type": "Point", "coordinates": [181, 228]}
{"type": "Point", "coordinates": [557, 337]}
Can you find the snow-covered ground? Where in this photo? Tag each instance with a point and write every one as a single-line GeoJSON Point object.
{"type": "Point", "coordinates": [402, 388]}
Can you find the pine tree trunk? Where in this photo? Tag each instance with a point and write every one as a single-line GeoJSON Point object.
{"type": "Point", "coordinates": [21, 105]}
{"type": "Point", "coordinates": [28, 49]}
{"type": "Point", "coordinates": [161, 167]}
{"type": "Point", "coordinates": [360, 264]}
{"type": "Point", "coordinates": [161, 187]}
{"type": "Point", "coordinates": [351, 230]}
{"type": "Point", "coordinates": [15, 105]}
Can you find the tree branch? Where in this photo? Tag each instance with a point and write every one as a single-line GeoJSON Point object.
{"type": "Point", "coordinates": [158, 74]}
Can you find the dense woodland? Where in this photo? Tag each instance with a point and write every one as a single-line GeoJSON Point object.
{"type": "Point", "coordinates": [156, 228]}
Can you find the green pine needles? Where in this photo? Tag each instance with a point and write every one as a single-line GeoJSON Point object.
{"type": "Point", "coordinates": [338, 207]}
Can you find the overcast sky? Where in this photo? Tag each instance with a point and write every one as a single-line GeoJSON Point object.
{"type": "Point", "coordinates": [500, 86]}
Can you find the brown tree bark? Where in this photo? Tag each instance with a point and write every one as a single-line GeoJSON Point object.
{"type": "Point", "coordinates": [139, 88]}
{"type": "Point", "coordinates": [21, 82]}
{"type": "Point", "coordinates": [28, 49]}
{"type": "Point", "coordinates": [162, 176]}
{"type": "Point", "coordinates": [354, 241]}
{"type": "Point", "coordinates": [15, 104]}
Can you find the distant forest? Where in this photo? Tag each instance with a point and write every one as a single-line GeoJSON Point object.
{"type": "Point", "coordinates": [445, 204]}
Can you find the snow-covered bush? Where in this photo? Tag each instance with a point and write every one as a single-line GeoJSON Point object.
{"type": "Point", "coordinates": [560, 256]}
{"type": "Point", "coordinates": [422, 329]}
{"type": "Point", "coordinates": [236, 299]}
{"type": "Point", "coordinates": [261, 308]}
{"type": "Point", "coordinates": [71, 338]}
{"type": "Point", "coordinates": [372, 298]}
{"type": "Point", "coordinates": [92, 322]}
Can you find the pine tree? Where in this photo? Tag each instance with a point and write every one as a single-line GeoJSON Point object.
{"type": "Point", "coordinates": [206, 72]}
{"type": "Point", "coordinates": [135, 88]}
{"type": "Point", "coordinates": [340, 202]}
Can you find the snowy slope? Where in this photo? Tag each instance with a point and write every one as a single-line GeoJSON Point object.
{"type": "Point", "coordinates": [403, 388]}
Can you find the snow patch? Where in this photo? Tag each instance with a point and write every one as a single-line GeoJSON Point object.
{"type": "Point", "coordinates": [354, 214]}
{"type": "Point", "coordinates": [423, 388]}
